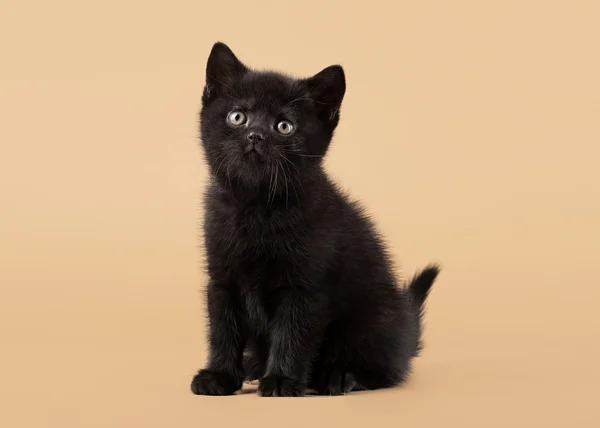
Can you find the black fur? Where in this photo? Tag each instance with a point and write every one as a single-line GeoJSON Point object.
{"type": "Point", "coordinates": [301, 291]}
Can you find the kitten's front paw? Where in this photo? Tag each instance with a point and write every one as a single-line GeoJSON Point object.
{"type": "Point", "coordinates": [279, 386]}
{"type": "Point", "coordinates": [214, 383]}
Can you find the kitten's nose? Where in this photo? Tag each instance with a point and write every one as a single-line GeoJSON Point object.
{"type": "Point", "coordinates": [255, 137]}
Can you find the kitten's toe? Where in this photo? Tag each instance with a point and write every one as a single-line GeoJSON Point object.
{"type": "Point", "coordinates": [279, 386]}
{"type": "Point", "coordinates": [348, 383]}
{"type": "Point", "coordinates": [253, 368]}
{"type": "Point", "coordinates": [214, 383]}
{"type": "Point", "coordinates": [338, 382]}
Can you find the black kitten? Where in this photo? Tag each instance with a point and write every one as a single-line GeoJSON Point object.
{"type": "Point", "coordinates": [301, 291]}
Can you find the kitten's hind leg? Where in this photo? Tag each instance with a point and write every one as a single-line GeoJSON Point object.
{"type": "Point", "coordinates": [338, 381]}
{"type": "Point", "coordinates": [333, 381]}
{"type": "Point", "coordinates": [374, 379]}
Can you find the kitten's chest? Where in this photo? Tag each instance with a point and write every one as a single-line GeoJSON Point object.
{"type": "Point", "coordinates": [249, 234]}
{"type": "Point", "coordinates": [261, 285]}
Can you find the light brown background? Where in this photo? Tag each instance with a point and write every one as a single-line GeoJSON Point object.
{"type": "Point", "coordinates": [470, 130]}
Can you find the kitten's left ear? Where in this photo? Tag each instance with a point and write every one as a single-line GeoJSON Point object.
{"type": "Point", "coordinates": [327, 88]}
{"type": "Point", "coordinates": [223, 68]}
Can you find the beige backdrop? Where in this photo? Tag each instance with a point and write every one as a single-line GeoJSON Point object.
{"type": "Point", "coordinates": [470, 130]}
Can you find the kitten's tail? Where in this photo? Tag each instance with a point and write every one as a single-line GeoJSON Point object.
{"type": "Point", "coordinates": [421, 284]}
{"type": "Point", "coordinates": [418, 289]}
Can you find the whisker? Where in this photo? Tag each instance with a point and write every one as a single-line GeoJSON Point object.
{"type": "Point", "coordinates": [303, 155]}
{"type": "Point", "coordinates": [218, 81]}
{"type": "Point", "coordinates": [270, 185]}
{"type": "Point", "coordinates": [291, 178]}
{"type": "Point", "coordinates": [227, 174]}
{"type": "Point", "coordinates": [304, 99]}
{"type": "Point", "coordinates": [289, 161]}
{"type": "Point", "coordinates": [275, 182]}
{"type": "Point", "coordinates": [285, 178]}
{"type": "Point", "coordinates": [223, 159]}
{"type": "Point", "coordinates": [295, 190]}
{"type": "Point", "coordinates": [227, 86]}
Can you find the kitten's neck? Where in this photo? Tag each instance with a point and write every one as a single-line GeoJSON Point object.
{"type": "Point", "coordinates": [293, 192]}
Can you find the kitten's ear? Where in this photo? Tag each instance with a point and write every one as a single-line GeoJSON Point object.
{"type": "Point", "coordinates": [327, 88]}
{"type": "Point", "coordinates": [222, 70]}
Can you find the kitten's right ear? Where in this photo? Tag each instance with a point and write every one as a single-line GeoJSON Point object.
{"type": "Point", "coordinates": [328, 88]}
{"type": "Point", "coordinates": [223, 68]}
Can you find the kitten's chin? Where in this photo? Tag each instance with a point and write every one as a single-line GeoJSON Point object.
{"type": "Point", "coordinates": [253, 157]}
{"type": "Point", "coordinates": [244, 173]}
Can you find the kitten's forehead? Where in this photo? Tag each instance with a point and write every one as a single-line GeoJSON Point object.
{"type": "Point", "coordinates": [268, 87]}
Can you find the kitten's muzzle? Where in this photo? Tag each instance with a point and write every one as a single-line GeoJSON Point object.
{"type": "Point", "coordinates": [253, 142]}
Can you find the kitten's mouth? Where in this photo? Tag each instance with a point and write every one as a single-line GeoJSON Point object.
{"type": "Point", "coordinates": [253, 150]}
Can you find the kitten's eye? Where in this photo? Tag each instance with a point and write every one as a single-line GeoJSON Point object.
{"type": "Point", "coordinates": [284, 127]}
{"type": "Point", "coordinates": [236, 118]}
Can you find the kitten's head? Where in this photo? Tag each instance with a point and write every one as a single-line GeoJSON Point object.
{"type": "Point", "coordinates": [259, 128]}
